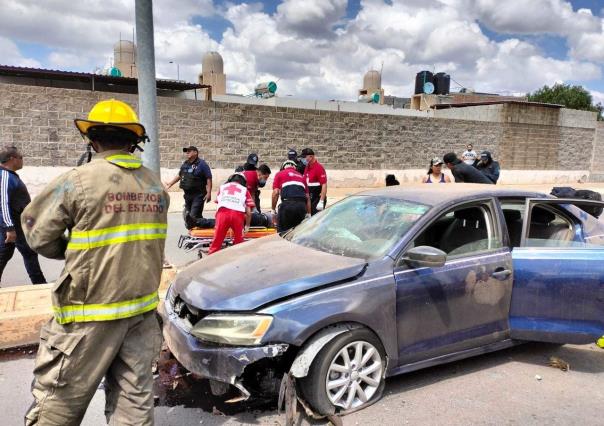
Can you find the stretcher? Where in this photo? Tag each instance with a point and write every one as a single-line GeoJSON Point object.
{"type": "Point", "coordinates": [200, 238]}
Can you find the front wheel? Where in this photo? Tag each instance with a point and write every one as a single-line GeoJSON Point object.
{"type": "Point", "coordinates": [347, 374]}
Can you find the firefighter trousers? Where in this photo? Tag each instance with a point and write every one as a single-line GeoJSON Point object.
{"type": "Point", "coordinates": [73, 359]}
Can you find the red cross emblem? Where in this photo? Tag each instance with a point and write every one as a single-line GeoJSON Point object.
{"type": "Point", "coordinates": [233, 189]}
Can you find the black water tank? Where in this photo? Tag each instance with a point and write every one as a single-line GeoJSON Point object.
{"type": "Point", "coordinates": [421, 78]}
{"type": "Point", "coordinates": [442, 83]}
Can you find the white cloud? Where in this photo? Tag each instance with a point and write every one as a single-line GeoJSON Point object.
{"type": "Point", "coordinates": [597, 97]}
{"type": "Point", "coordinates": [518, 67]}
{"type": "Point", "coordinates": [184, 45]}
{"type": "Point", "coordinates": [314, 51]}
{"type": "Point", "coordinates": [10, 55]}
{"type": "Point", "coordinates": [64, 60]}
{"type": "Point", "coordinates": [311, 18]}
{"type": "Point", "coordinates": [533, 17]}
{"type": "Point", "coordinates": [589, 46]}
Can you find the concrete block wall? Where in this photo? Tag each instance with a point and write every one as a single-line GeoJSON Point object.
{"type": "Point", "coordinates": [40, 121]}
{"type": "Point", "coordinates": [597, 158]}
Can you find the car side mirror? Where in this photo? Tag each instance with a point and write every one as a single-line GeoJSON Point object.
{"type": "Point", "coordinates": [425, 256]}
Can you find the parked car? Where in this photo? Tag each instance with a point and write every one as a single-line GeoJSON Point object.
{"type": "Point", "coordinates": [386, 282]}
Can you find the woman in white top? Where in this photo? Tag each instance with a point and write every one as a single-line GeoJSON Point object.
{"type": "Point", "coordinates": [435, 172]}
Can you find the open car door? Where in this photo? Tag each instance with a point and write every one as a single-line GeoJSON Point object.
{"type": "Point", "coordinates": [558, 291]}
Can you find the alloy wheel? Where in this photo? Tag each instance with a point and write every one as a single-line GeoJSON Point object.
{"type": "Point", "coordinates": [354, 375]}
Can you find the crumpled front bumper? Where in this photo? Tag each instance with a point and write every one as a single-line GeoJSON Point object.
{"type": "Point", "coordinates": [215, 362]}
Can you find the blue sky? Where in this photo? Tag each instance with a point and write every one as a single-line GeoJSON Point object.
{"type": "Point", "coordinates": [322, 48]}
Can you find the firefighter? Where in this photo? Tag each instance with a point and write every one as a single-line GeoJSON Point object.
{"type": "Point", "coordinates": [295, 201]}
{"type": "Point", "coordinates": [235, 206]}
{"type": "Point", "coordinates": [108, 220]}
{"type": "Point", "coordinates": [316, 179]}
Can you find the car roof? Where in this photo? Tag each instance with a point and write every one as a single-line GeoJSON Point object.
{"type": "Point", "coordinates": [435, 194]}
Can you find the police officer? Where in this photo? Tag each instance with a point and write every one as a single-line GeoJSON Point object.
{"type": "Point", "coordinates": [316, 179]}
{"type": "Point", "coordinates": [114, 212]}
{"type": "Point", "coordinates": [295, 201]}
{"type": "Point", "coordinates": [195, 179]}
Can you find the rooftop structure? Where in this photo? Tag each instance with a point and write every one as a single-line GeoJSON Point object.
{"type": "Point", "coordinates": [94, 82]}
{"type": "Point", "coordinates": [212, 73]}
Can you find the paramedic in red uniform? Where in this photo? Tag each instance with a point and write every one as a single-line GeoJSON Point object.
{"type": "Point", "coordinates": [316, 179]}
{"type": "Point", "coordinates": [250, 171]}
{"type": "Point", "coordinates": [235, 206]}
{"type": "Point", "coordinates": [295, 202]}
{"type": "Point", "coordinates": [256, 177]}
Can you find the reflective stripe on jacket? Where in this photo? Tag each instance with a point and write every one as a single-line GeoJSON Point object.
{"type": "Point", "coordinates": [86, 240]}
{"type": "Point", "coordinates": [107, 311]}
{"type": "Point", "coordinates": [115, 213]}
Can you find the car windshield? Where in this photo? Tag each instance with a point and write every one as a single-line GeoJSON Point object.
{"type": "Point", "coordinates": [359, 226]}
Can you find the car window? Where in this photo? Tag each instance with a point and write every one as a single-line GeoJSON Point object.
{"type": "Point", "coordinates": [513, 213]}
{"type": "Point", "coordinates": [549, 228]}
{"type": "Point", "coordinates": [553, 226]}
{"type": "Point", "coordinates": [360, 226]}
{"type": "Point", "coordinates": [462, 231]}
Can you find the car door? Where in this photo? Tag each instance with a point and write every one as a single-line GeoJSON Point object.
{"type": "Point", "coordinates": [558, 293]}
{"type": "Point", "coordinates": [463, 304]}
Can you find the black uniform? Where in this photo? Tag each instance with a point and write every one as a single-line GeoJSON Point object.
{"type": "Point", "coordinates": [463, 172]}
{"type": "Point", "coordinates": [294, 193]}
{"type": "Point", "coordinates": [490, 169]}
{"type": "Point", "coordinates": [193, 179]}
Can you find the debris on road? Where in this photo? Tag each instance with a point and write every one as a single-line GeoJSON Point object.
{"type": "Point", "coordinates": [538, 377]}
{"type": "Point", "coordinates": [558, 363]}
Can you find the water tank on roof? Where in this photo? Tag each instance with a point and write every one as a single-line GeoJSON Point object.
{"type": "Point", "coordinates": [114, 72]}
{"type": "Point", "coordinates": [124, 51]}
{"type": "Point", "coordinates": [265, 90]}
{"type": "Point", "coordinates": [374, 98]}
{"type": "Point", "coordinates": [442, 83]}
{"type": "Point", "coordinates": [422, 78]}
{"type": "Point", "coordinates": [372, 80]}
{"type": "Point", "coordinates": [212, 63]}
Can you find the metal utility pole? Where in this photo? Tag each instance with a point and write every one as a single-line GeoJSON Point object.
{"type": "Point", "coordinates": [147, 88]}
{"type": "Point", "coordinates": [177, 70]}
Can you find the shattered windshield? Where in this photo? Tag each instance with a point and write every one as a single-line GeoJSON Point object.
{"type": "Point", "coordinates": [359, 226]}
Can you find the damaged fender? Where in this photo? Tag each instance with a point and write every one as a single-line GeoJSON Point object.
{"type": "Point", "coordinates": [221, 363]}
{"type": "Point", "coordinates": [309, 351]}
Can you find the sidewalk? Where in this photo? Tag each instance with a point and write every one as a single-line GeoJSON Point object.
{"type": "Point", "coordinates": [336, 194]}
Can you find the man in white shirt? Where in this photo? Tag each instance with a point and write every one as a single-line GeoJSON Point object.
{"type": "Point", "coordinates": [469, 155]}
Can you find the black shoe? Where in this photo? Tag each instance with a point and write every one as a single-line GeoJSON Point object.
{"type": "Point", "coordinates": [189, 222]}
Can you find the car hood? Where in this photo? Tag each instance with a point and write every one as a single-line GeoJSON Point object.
{"type": "Point", "coordinates": [247, 276]}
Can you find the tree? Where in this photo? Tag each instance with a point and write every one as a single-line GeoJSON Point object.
{"type": "Point", "coordinates": [575, 97]}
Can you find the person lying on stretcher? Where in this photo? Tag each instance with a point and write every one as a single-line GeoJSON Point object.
{"type": "Point", "coordinates": [259, 220]}
{"type": "Point", "coordinates": [235, 206]}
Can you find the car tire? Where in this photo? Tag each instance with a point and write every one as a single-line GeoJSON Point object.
{"type": "Point", "coordinates": [331, 361]}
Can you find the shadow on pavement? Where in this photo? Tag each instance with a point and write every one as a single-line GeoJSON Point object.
{"type": "Point", "coordinates": [584, 359]}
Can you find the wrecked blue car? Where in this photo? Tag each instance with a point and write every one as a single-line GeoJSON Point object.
{"type": "Point", "coordinates": [386, 282]}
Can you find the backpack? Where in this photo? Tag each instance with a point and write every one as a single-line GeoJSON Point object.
{"type": "Point", "coordinates": [580, 194]}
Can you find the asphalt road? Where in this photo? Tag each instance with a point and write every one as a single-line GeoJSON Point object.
{"type": "Point", "coordinates": [501, 388]}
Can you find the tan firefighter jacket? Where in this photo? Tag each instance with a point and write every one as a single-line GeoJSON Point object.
{"type": "Point", "coordinates": [108, 220]}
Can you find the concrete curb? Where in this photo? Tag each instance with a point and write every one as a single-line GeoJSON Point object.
{"type": "Point", "coordinates": [24, 309]}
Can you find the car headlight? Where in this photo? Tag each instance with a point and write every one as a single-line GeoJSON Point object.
{"type": "Point", "coordinates": [241, 330]}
